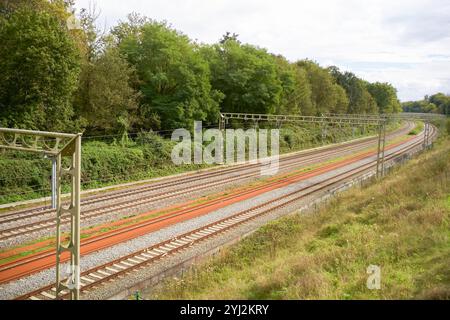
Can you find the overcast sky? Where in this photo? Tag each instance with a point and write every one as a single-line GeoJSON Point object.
{"type": "Point", "coordinates": [404, 42]}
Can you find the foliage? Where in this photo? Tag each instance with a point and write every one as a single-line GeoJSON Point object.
{"type": "Point", "coordinates": [296, 90]}
{"type": "Point", "coordinates": [174, 77]}
{"type": "Point", "coordinates": [40, 66]}
{"type": "Point", "coordinates": [437, 103]}
{"type": "Point", "coordinates": [144, 75]}
{"type": "Point", "coordinates": [104, 97]}
{"type": "Point", "coordinates": [57, 8]}
{"type": "Point", "coordinates": [326, 95]}
{"type": "Point", "coordinates": [360, 99]}
{"type": "Point", "coordinates": [441, 101]}
{"type": "Point", "coordinates": [385, 96]}
{"type": "Point", "coordinates": [245, 75]}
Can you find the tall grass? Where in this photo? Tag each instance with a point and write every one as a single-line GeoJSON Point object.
{"type": "Point", "coordinates": [400, 224]}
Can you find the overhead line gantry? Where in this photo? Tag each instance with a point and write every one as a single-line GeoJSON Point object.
{"type": "Point", "coordinates": [372, 120]}
{"type": "Point", "coordinates": [57, 146]}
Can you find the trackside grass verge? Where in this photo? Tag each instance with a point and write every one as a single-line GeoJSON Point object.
{"type": "Point", "coordinates": [400, 224]}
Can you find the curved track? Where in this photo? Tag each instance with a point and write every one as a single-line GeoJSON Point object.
{"type": "Point", "coordinates": [26, 222]}
{"type": "Point", "coordinates": [44, 260]}
{"type": "Point", "coordinates": [105, 273]}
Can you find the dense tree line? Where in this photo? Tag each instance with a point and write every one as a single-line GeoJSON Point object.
{"type": "Point", "coordinates": [145, 75]}
{"type": "Point", "coordinates": [437, 103]}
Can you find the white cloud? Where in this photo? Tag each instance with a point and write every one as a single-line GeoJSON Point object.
{"type": "Point", "coordinates": [405, 42]}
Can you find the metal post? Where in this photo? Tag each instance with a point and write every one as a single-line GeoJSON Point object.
{"type": "Point", "coordinates": [381, 148]}
{"type": "Point", "coordinates": [323, 130]}
{"type": "Point", "coordinates": [222, 124]}
{"type": "Point", "coordinates": [58, 223]}
{"type": "Point", "coordinates": [426, 135]}
{"type": "Point", "coordinates": [75, 294]}
{"type": "Point", "coordinates": [72, 285]}
{"type": "Point", "coordinates": [54, 183]}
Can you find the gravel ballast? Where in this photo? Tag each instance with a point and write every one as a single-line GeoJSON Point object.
{"type": "Point", "coordinates": [33, 282]}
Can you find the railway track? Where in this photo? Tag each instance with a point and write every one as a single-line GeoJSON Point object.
{"type": "Point", "coordinates": [98, 276]}
{"type": "Point", "coordinates": [45, 259]}
{"type": "Point", "coordinates": [26, 227]}
{"type": "Point", "coordinates": [190, 178]}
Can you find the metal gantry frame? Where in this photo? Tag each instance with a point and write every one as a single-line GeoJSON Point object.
{"type": "Point", "coordinates": [381, 148]}
{"type": "Point", "coordinates": [426, 136]}
{"type": "Point", "coordinates": [57, 146]}
{"type": "Point", "coordinates": [339, 119]}
{"type": "Point", "coordinates": [392, 116]}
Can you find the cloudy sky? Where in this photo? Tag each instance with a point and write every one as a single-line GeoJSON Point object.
{"type": "Point", "coordinates": [404, 42]}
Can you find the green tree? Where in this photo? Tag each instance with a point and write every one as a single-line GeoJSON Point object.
{"type": "Point", "coordinates": [105, 99]}
{"type": "Point", "coordinates": [360, 100]}
{"type": "Point", "coordinates": [341, 98]}
{"type": "Point", "coordinates": [174, 77]}
{"type": "Point", "coordinates": [296, 90]}
{"type": "Point", "coordinates": [58, 8]}
{"type": "Point", "coordinates": [246, 75]}
{"type": "Point", "coordinates": [326, 95]}
{"type": "Point", "coordinates": [442, 102]}
{"type": "Point", "coordinates": [39, 65]}
{"type": "Point", "coordinates": [422, 106]}
{"type": "Point", "coordinates": [385, 96]}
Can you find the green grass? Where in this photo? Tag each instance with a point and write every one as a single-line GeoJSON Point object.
{"type": "Point", "coordinates": [400, 224]}
{"type": "Point", "coordinates": [418, 129]}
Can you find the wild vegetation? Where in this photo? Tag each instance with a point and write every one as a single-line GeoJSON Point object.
{"type": "Point", "coordinates": [144, 75]}
{"type": "Point", "coordinates": [400, 224]}
{"type": "Point", "coordinates": [126, 87]}
{"type": "Point", "coordinates": [437, 103]}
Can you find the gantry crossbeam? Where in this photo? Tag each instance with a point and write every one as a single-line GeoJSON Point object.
{"type": "Point", "coordinates": [49, 143]}
{"type": "Point", "coordinates": [366, 120]}
{"type": "Point", "coordinates": [332, 119]}
{"type": "Point", "coordinates": [391, 116]}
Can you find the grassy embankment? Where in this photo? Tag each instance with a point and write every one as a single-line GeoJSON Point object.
{"type": "Point", "coordinates": [400, 224]}
{"type": "Point", "coordinates": [26, 176]}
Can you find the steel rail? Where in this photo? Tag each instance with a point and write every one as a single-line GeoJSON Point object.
{"type": "Point", "coordinates": [174, 181]}
{"type": "Point", "coordinates": [141, 227]}
{"type": "Point", "coordinates": [107, 272]}
{"type": "Point", "coordinates": [40, 225]}
{"type": "Point", "coordinates": [6, 218]}
{"type": "Point", "coordinates": [171, 215]}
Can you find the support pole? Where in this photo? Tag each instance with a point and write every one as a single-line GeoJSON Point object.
{"type": "Point", "coordinates": [426, 135]}
{"type": "Point", "coordinates": [381, 148]}
{"type": "Point", "coordinates": [54, 183]}
{"type": "Point", "coordinates": [222, 123]}
{"type": "Point", "coordinates": [323, 130]}
{"type": "Point", "coordinates": [77, 204]}
{"type": "Point", "coordinates": [72, 247]}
